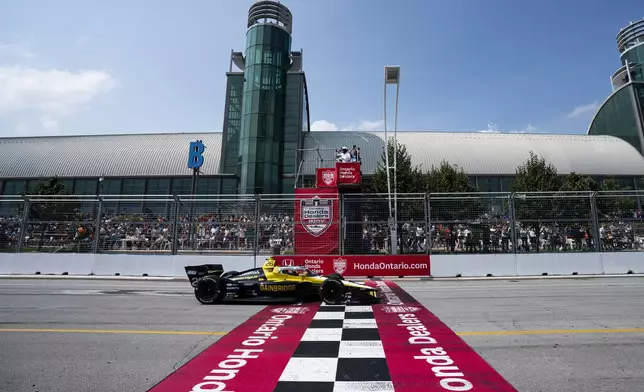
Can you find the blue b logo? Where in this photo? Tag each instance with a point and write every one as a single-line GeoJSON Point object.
{"type": "Point", "coordinates": [195, 155]}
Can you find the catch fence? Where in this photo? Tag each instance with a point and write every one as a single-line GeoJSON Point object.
{"type": "Point", "coordinates": [267, 224]}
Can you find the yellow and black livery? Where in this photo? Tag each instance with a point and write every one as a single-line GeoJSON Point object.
{"type": "Point", "coordinates": [275, 284]}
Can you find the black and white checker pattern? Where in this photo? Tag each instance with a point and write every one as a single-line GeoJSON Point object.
{"type": "Point", "coordinates": [340, 351]}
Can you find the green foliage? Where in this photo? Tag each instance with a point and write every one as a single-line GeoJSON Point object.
{"type": "Point", "coordinates": [43, 209]}
{"type": "Point", "coordinates": [611, 206]}
{"type": "Point", "coordinates": [447, 178]}
{"type": "Point", "coordinates": [454, 205]}
{"type": "Point", "coordinates": [407, 175]}
{"type": "Point", "coordinates": [538, 201]}
{"type": "Point", "coordinates": [579, 183]}
{"type": "Point", "coordinates": [535, 175]}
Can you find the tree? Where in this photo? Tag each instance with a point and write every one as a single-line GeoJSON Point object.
{"type": "Point", "coordinates": [535, 175]}
{"type": "Point", "coordinates": [409, 179]}
{"type": "Point", "coordinates": [448, 178]}
{"type": "Point", "coordinates": [407, 175]}
{"type": "Point", "coordinates": [45, 210]}
{"type": "Point", "coordinates": [579, 183]}
{"type": "Point", "coordinates": [615, 204]}
{"type": "Point", "coordinates": [448, 186]}
{"type": "Point", "coordinates": [531, 211]}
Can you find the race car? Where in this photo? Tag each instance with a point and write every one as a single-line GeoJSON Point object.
{"type": "Point", "coordinates": [274, 284]}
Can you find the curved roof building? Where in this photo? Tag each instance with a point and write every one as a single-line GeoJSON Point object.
{"type": "Point", "coordinates": [140, 160]}
{"type": "Point", "coordinates": [622, 113]}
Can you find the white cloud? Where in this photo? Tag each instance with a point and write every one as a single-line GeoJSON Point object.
{"type": "Point", "coordinates": [16, 50]}
{"type": "Point", "coordinates": [323, 125]}
{"type": "Point", "coordinates": [371, 126]}
{"type": "Point", "coordinates": [52, 92]}
{"type": "Point", "coordinates": [363, 126]}
{"type": "Point", "coordinates": [584, 110]}
{"type": "Point", "coordinates": [493, 128]}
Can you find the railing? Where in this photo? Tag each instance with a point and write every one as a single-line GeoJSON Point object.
{"type": "Point", "coordinates": [265, 224]}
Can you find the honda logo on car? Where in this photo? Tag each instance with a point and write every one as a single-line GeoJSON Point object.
{"type": "Point", "coordinates": [443, 367]}
{"type": "Point", "coordinates": [228, 368]}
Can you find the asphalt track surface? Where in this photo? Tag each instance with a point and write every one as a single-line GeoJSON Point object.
{"type": "Point", "coordinates": [541, 335]}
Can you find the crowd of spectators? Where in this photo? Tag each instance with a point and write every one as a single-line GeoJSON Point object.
{"type": "Point", "coordinates": [237, 233]}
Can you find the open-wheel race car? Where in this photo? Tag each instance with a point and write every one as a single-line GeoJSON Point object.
{"type": "Point", "coordinates": [274, 284]}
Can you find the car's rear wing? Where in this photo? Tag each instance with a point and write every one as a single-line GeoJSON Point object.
{"type": "Point", "coordinates": [195, 272]}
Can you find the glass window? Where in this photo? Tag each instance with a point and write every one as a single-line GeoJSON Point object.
{"type": "Point", "coordinates": [616, 118]}
{"type": "Point", "coordinates": [13, 187]}
{"type": "Point", "coordinates": [158, 186]}
{"type": "Point", "coordinates": [208, 186]}
{"type": "Point", "coordinates": [181, 186]}
{"type": "Point", "coordinates": [506, 184]}
{"type": "Point", "coordinates": [489, 184]}
{"type": "Point", "coordinates": [85, 187]}
{"type": "Point", "coordinates": [111, 186]}
{"type": "Point", "coordinates": [133, 186]}
{"type": "Point", "coordinates": [32, 185]}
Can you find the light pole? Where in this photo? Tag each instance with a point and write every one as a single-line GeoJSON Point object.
{"type": "Point", "coordinates": [392, 76]}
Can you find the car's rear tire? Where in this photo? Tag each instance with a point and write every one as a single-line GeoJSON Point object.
{"type": "Point", "coordinates": [208, 290]}
{"type": "Point", "coordinates": [332, 292]}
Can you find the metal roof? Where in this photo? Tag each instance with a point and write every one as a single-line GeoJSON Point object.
{"type": "Point", "coordinates": [105, 155]}
{"type": "Point", "coordinates": [490, 153]}
{"type": "Point", "coordinates": [166, 154]}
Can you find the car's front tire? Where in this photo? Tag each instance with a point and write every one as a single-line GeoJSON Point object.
{"type": "Point", "coordinates": [208, 290]}
{"type": "Point", "coordinates": [333, 292]}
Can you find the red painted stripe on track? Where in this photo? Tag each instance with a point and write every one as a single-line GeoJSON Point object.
{"type": "Point", "coordinates": [424, 354]}
{"type": "Point", "coordinates": [273, 333]}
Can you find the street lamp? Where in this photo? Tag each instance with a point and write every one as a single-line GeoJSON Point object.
{"type": "Point", "coordinates": [392, 76]}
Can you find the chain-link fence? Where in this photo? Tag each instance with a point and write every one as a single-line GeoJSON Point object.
{"type": "Point", "coordinates": [350, 224]}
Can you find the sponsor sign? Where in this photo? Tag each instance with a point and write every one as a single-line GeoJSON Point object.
{"type": "Point", "coordinates": [277, 287]}
{"type": "Point", "coordinates": [348, 173]}
{"type": "Point", "coordinates": [360, 265]}
{"type": "Point", "coordinates": [262, 346]}
{"type": "Point", "coordinates": [316, 215]}
{"type": "Point", "coordinates": [317, 229]}
{"type": "Point", "coordinates": [326, 177]}
{"type": "Point", "coordinates": [424, 354]}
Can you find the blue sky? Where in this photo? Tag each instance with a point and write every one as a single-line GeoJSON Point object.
{"type": "Point", "coordinates": [95, 67]}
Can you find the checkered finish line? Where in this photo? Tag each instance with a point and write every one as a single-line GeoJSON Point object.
{"type": "Point", "coordinates": [340, 351]}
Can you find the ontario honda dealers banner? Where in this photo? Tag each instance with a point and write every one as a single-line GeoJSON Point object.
{"type": "Point", "coordinates": [360, 265]}
{"type": "Point", "coordinates": [317, 217]}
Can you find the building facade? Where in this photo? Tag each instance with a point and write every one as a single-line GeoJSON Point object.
{"type": "Point", "coordinates": [622, 113]}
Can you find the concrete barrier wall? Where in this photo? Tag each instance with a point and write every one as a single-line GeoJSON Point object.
{"type": "Point", "coordinates": [109, 265]}
{"type": "Point", "coordinates": [532, 264]}
{"type": "Point", "coordinates": [587, 263]}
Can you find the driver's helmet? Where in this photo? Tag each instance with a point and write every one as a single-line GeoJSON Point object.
{"type": "Point", "coordinates": [300, 271]}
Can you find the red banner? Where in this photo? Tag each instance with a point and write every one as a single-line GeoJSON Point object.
{"type": "Point", "coordinates": [348, 172]}
{"type": "Point", "coordinates": [326, 177]}
{"type": "Point", "coordinates": [361, 265]}
{"type": "Point", "coordinates": [317, 217]}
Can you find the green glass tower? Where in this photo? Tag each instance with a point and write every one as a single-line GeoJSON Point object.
{"type": "Point", "coordinates": [622, 114]}
{"type": "Point", "coordinates": [267, 112]}
{"type": "Point", "coordinates": [267, 60]}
